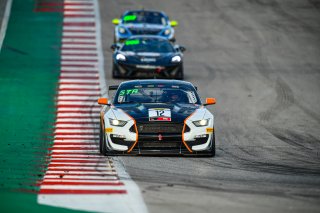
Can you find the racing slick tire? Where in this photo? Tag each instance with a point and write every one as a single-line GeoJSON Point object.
{"type": "Point", "coordinates": [115, 72]}
{"type": "Point", "coordinates": [179, 75]}
{"type": "Point", "coordinates": [102, 142]}
{"type": "Point", "coordinates": [213, 146]}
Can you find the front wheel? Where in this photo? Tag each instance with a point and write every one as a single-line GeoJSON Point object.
{"type": "Point", "coordinates": [213, 146]}
{"type": "Point", "coordinates": [102, 142]}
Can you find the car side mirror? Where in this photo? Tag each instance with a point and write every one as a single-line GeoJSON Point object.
{"type": "Point", "coordinates": [173, 23]}
{"type": "Point", "coordinates": [182, 48]}
{"type": "Point", "coordinates": [210, 101]}
{"type": "Point", "coordinates": [103, 101]}
{"type": "Point", "coordinates": [114, 47]}
{"type": "Point", "coordinates": [115, 21]}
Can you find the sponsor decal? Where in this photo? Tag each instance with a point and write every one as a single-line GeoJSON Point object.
{"type": "Point", "coordinates": [148, 60]}
{"type": "Point", "coordinates": [210, 130]}
{"type": "Point", "coordinates": [159, 114]}
{"type": "Point", "coordinates": [132, 42]}
{"type": "Point", "coordinates": [109, 130]}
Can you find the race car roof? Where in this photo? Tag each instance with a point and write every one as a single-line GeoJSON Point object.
{"type": "Point", "coordinates": [156, 81]}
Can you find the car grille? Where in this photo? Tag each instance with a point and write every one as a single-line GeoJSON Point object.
{"type": "Point", "coordinates": [158, 127]}
{"type": "Point", "coordinates": [135, 31]}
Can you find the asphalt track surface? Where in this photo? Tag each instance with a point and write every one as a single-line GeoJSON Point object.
{"type": "Point", "coordinates": [261, 60]}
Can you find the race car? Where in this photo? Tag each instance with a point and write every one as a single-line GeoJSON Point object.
{"type": "Point", "coordinates": [156, 117]}
{"type": "Point", "coordinates": [142, 22]}
{"type": "Point", "coordinates": [147, 56]}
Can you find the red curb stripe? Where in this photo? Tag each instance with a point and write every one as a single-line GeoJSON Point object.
{"type": "Point", "coordinates": [79, 179]}
{"type": "Point", "coordinates": [79, 77]}
{"type": "Point", "coordinates": [79, 89]}
{"type": "Point", "coordinates": [75, 122]}
{"type": "Point", "coordinates": [85, 174]}
{"type": "Point", "coordinates": [78, 138]}
{"type": "Point", "coordinates": [81, 111]}
{"type": "Point", "coordinates": [78, 31]}
{"type": "Point", "coordinates": [77, 60]}
{"type": "Point", "coordinates": [78, 43]}
{"type": "Point", "coordinates": [79, 24]}
{"type": "Point", "coordinates": [79, 161]}
{"type": "Point", "coordinates": [82, 183]}
{"type": "Point", "coordinates": [70, 191]}
{"type": "Point", "coordinates": [79, 15]}
{"type": "Point", "coordinates": [75, 133]}
{"type": "Point", "coordinates": [88, 95]}
{"type": "Point", "coordinates": [77, 106]}
{"type": "Point", "coordinates": [79, 37]}
{"type": "Point", "coordinates": [80, 170]}
{"type": "Point", "coordinates": [61, 10]}
{"type": "Point", "coordinates": [78, 65]}
{"type": "Point", "coordinates": [78, 83]}
{"type": "Point", "coordinates": [72, 148]}
{"type": "Point", "coordinates": [84, 128]}
{"type": "Point", "coordinates": [55, 4]}
{"type": "Point", "coordinates": [79, 54]}
{"type": "Point", "coordinates": [80, 72]}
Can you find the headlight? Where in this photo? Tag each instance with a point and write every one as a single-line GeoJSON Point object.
{"type": "Point", "coordinates": [115, 122]}
{"type": "Point", "coordinates": [203, 122]}
{"type": "Point", "coordinates": [167, 32]}
{"type": "Point", "coordinates": [176, 58]}
{"type": "Point", "coordinates": [120, 57]}
{"type": "Point", "coordinates": [121, 30]}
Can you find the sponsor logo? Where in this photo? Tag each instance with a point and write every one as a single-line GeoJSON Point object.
{"type": "Point", "coordinates": [210, 130]}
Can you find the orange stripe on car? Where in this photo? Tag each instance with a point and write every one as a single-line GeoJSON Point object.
{"type": "Point", "coordinates": [136, 129]}
{"type": "Point", "coordinates": [184, 127]}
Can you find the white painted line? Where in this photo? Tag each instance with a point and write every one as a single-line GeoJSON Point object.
{"type": "Point", "coordinates": [93, 168]}
{"type": "Point", "coordinates": [78, 20]}
{"type": "Point", "coordinates": [78, 12]}
{"type": "Point", "coordinates": [5, 21]}
{"type": "Point", "coordinates": [78, 7]}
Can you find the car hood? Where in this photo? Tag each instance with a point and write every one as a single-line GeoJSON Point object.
{"type": "Point", "coordinates": [140, 112]}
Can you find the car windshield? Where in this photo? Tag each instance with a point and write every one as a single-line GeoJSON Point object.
{"type": "Point", "coordinates": [154, 93]}
{"type": "Point", "coordinates": [148, 45]}
{"type": "Point", "coordinates": [146, 17]}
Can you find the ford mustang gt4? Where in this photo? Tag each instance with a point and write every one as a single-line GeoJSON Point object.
{"type": "Point", "coordinates": [156, 117]}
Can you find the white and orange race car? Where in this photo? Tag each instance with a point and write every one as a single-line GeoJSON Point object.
{"type": "Point", "coordinates": [156, 117]}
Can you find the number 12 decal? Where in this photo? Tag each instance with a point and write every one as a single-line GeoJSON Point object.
{"type": "Point", "coordinates": [159, 114]}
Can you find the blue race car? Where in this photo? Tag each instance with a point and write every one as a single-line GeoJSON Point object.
{"type": "Point", "coordinates": [143, 22]}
